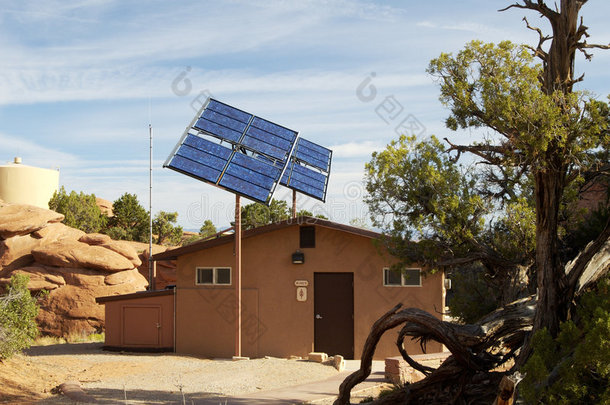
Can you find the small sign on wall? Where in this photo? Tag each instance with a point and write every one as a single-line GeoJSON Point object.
{"type": "Point", "coordinates": [301, 283]}
{"type": "Point", "coordinates": [302, 294]}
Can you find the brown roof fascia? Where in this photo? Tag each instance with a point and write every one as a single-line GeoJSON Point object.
{"type": "Point", "coordinates": [304, 220]}
{"type": "Point", "coordinates": [140, 294]}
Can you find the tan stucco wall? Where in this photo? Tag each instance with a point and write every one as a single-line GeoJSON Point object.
{"type": "Point", "coordinates": [274, 322]}
{"type": "Point", "coordinates": [114, 325]}
{"type": "Point", "coordinates": [21, 184]}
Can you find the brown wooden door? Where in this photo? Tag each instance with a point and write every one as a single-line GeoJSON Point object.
{"type": "Point", "coordinates": [141, 325]}
{"type": "Point", "coordinates": [334, 313]}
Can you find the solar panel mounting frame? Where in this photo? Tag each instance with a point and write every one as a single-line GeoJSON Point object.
{"type": "Point", "coordinates": [237, 147]}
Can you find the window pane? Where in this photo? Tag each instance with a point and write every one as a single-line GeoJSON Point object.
{"type": "Point", "coordinates": [391, 277]}
{"type": "Point", "coordinates": [411, 277]}
{"type": "Point", "coordinates": [205, 276]}
{"type": "Point", "coordinates": [223, 276]}
{"type": "Point", "coordinates": [308, 237]}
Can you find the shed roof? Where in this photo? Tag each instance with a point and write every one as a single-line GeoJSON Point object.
{"type": "Point", "coordinates": [138, 294]}
{"type": "Point", "coordinates": [173, 254]}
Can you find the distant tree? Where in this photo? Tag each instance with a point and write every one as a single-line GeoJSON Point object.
{"type": "Point", "coordinates": [359, 223]}
{"type": "Point", "coordinates": [80, 210]}
{"type": "Point", "coordinates": [306, 213]}
{"type": "Point", "coordinates": [256, 214]}
{"type": "Point", "coordinates": [166, 230]}
{"type": "Point", "coordinates": [130, 220]}
{"type": "Point", "coordinates": [207, 229]}
{"type": "Point", "coordinates": [18, 312]}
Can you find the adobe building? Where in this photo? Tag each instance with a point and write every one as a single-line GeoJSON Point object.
{"type": "Point", "coordinates": [307, 285]}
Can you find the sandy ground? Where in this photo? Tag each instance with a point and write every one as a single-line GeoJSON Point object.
{"type": "Point", "coordinates": [144, 378]}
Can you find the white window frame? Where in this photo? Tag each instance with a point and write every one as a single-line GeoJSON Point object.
{"type": "Point", "coordinates": [402, 278]}
{"type": "Point", "coordinates": [214, 275]}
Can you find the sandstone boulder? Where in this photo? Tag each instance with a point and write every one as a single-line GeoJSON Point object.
{"type": "Point", "coordinates": [57, 231]}
{"type": "Point", "coordinates": [40, 278]}
{"type": "Point", "coordinates": [132, 277]}
{"type": "Point", "coordinates": [22, 219]}
{"type": "Point", "coordinates": [94, 239]}
{"type": "Point", "coordinates": [69, 253]}
{"type": "Point", "coordinates": [85, 278]}
{"type": "Point", "coordinates": [166, 269]}
{"type": "Point", "coordinates": [75, 273]}
{"type": "Point", "coordinates": [124, 249]}
{"type": "Point", "coordinates": [16, 251]}
{"type": "Point", "coordinates": [71, 308]}
{"type": "Point", "coordinates": [121, 247]}
{"type": "Point", "coordinates": [105, 206]}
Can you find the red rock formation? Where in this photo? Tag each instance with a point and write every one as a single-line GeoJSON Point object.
{"type": "Point", "coordinates": [73, 267]}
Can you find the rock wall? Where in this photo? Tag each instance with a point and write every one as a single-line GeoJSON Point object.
{"type": "Point", "coordinates": [73, 267]}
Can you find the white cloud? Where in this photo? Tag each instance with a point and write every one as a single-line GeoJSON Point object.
{"type": "Point", "coordinates": [355, 149]}
{"type": "Point", "coordinates": [33, 154]}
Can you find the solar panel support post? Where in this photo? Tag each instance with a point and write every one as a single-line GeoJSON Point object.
{"type": "Point", "coordinates": [294, 204]}
{"type": "Point", "coordinates": [237, 276]}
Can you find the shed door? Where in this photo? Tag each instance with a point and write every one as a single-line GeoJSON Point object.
{"type": "Point", "coordinates": [141, 325]}
{"type": "Point", "coordinates": [334, 314]}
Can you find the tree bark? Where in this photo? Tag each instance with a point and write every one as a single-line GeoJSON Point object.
{"type": "Point", "coordinates": [552, 304]}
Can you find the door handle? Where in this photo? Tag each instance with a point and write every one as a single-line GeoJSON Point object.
{"type": "Point", "coordinates": [318, 316]}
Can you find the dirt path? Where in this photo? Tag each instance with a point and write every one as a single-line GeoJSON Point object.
{"type": "Point", "coordinates": [144, 378]}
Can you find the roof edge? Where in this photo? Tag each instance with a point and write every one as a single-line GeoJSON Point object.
{"type": "Point", "coordinates": [173, 254]}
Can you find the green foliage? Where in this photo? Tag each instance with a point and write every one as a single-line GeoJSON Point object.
{"type": "Point", "coordinates": [80, 210]}
{"type": "Point", "coordinates": [207, 229]}
{"type": "Point", "coordinates": [471, 297]}
{"type": "Point", "coordinates": [256, 214]}
{"type": "Point", "coordinates": [578, 360]}
{"type": "Point", "coordinates": [514, 234]}
{"type": "Point", "coordinates": [419, 191]}
{"type": "Point", "coordinates": [130, 221]}
{"type": "Point", "coordinates": [18, 312]}
{"type": "Point", "coordinates": [497, 86]}
{"type": "Point", "coordinates": [165, 229]}
{"type": "Point", "coordinates": [306, 213]}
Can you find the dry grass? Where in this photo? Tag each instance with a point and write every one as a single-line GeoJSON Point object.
{"type": "Point", "coordinates": [75, 337]}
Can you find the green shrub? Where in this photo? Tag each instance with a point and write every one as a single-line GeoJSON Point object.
{"type": "Point", "coordinates": [18, 311]}
{"type": "Point", "coordinates": [580, 355]}
{"type": "Point", "coordinates": [80, 210]}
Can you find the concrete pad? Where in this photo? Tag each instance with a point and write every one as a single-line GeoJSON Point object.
{"type": "Point", "coordinates": [315, 391]}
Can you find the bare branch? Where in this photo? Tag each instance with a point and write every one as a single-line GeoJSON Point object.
{"type": "Point", "coordinates": [539, 6]}
{"type": "Point", "coordinates": [538, 51]}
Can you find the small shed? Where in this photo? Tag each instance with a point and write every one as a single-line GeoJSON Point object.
{"type": "Point", "coordinates": [142, 321]}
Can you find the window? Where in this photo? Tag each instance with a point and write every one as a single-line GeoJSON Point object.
{"type": "Point", "coordinates": [213, 275]}
{"type": "Point", "coordinates": [402, 278]}
{"type": "Point", "coordinates": [307, 237]}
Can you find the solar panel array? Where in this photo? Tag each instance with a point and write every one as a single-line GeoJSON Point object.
{"type": "Point", "coordinates": [309, 169]}
{"type": "Point", "coordinates": [237, 167]}
{"type": "Point", "coordinates": [249, 155]}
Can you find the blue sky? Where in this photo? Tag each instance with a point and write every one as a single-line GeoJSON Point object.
{"type": "Point", "coordinates": [80, 80]}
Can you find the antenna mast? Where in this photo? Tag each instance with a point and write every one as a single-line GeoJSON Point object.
{"type": "Point", "coordinates": [151, 272]}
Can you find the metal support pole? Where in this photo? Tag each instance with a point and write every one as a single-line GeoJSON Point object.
{"type": "Point", "coordinates": [237, 276]}
{"type": "Point", "coordinates": [294, 204]}
{"type": "Point", "coordinates": [151, 271]}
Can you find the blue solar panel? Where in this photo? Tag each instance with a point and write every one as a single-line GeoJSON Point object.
{"type": "Point", "coordinates": [309, 169]}
{"type": "Point", "coordinates": [234, 150]}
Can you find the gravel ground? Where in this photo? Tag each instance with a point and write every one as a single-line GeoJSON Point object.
{"type": "Point", "coordinates": [162, 378]}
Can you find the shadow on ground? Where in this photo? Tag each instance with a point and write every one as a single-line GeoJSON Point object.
{"type": "Point", "coordinates": [65, 349]}
{"type": "Point", "coordinates": [152, 397]}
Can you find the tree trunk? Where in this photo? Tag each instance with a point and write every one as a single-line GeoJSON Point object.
{"type": "Point", "coordinates": [552, 304]}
